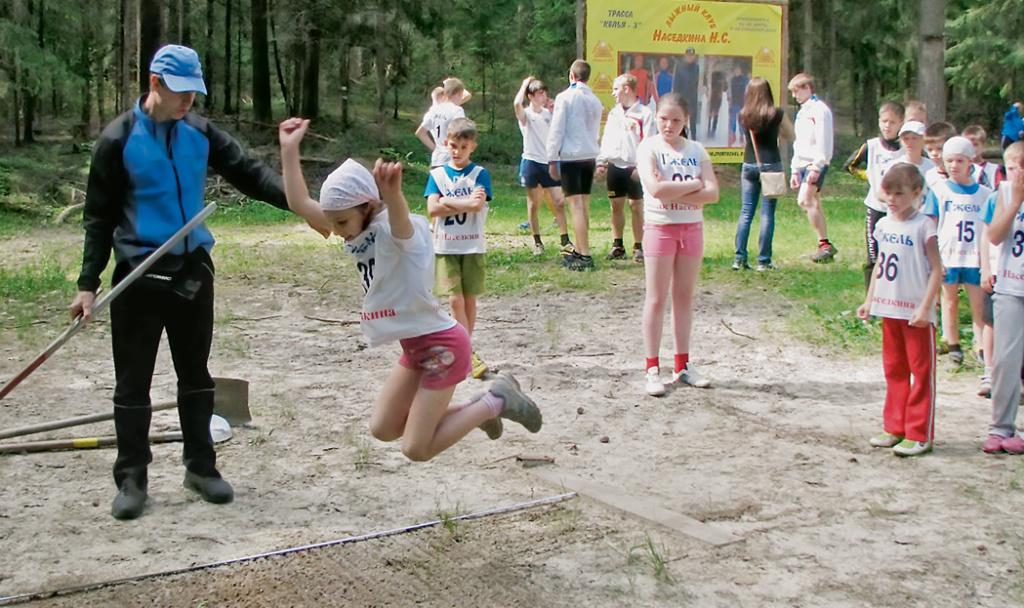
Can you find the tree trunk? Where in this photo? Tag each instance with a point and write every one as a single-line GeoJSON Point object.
{"type": "Point", "coordinates": [807, 43]}
{"type": "Point", "coordinates": [311, 75]}
{"type": "Point", "coordinates": [30, 96]}
{"type": "Point", "coordinates": [150, 28]}
{"type": "Point", "coordinates": [173, 30]}
{"type": "Point", "coordinates": [344, 77]}
{"type": "Point", "coordinates": [208, 62]}
{"type": "Point", "coordinates": [289, 104]}
{"type": "Point", "coordinates": [227, 57]}
{"type": "Point", "coordinates": [581, 33]}
{"type": "Point", "coordinates": [260, 63]}
{"type": "Point", "coordinates": [931, 81]}
{"type": "Point", "coordinates": [129, 51]}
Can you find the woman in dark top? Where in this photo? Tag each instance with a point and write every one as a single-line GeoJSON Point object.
{"type": "Point", "coordinates": [766, 124]}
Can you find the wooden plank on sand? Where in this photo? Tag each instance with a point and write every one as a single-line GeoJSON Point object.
{"type": "Point", "coordinates": [639, 508]}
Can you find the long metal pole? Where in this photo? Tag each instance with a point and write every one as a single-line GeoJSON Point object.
{"type": "Point", "coordinates": [103, 302]}
{"type": "Point", "coordinates": [17, 599]}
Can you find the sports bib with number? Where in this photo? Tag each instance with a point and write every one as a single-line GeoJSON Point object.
{"type": "Point", "coordinates": [676, 165]}
{"type": "Point", "coordinates": [461, 233]}
{"type": "Point", "coordinates": [902, 269]}
{"type": "Point", "coordinates": [1010, 271]}
{"type": "Point", "coordinates": [958, 209]}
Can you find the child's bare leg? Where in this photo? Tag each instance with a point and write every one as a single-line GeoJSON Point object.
{"type": "Point", "coordinates": [433, 427]}
{"type": "Point", "coordinates": [684, 281]}
{"type": "Point", "coordinates": [618, 216]}
{"type": "Point", "coordinates": [556, 200]}
{"type": "Point", "coordinates": [533, 203]}
{"type": "Point", "coordinates": [469, 308]}
{"type": "Point", "coordinates": [809, 200]}
{"type": "Point", "coordinates": [457, 303]}
{"type": "Point", "coordinates": [950, 314]}
{"type": "Point", "coordinates": [975, 299]}
{"type": "Point", "coordinates": [636, 208]}
{"type": "Point", "coordinates": [579, 208]}
{"type": "Point", "coordinates": [388, 419]}
{"type": "Point", "coordinates": [658, 271]}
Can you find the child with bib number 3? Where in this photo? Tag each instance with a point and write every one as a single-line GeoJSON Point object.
{"type": "Point", "coordinates": [392, 250]}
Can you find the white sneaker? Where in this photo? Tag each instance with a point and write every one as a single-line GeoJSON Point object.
{"type": "Point", "coordinates": [691, 376]}
{"type": "Point", "coordinates": [538, 249]}
{"type": "Point", "coordinates": [655, 387]}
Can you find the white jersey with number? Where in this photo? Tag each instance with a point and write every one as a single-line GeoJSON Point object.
{"type": "Point", "coordinates": [902, 269]}
{"type": "Point", "coordinates": [435, 122]}
{"type": "Point", "coordinates": [958, 211]}
{"type": "Point", "coordinates": [398, 276]}
{"type": "Point", "coordinates": [880, 159]}
{"type": "Point", "coordinates": [676, 165]}
{"type": "Point", "coordinates": [1010, 269]}
{"type": "Point", "coordinates": [461, 233]}
{"type": "Point", "coordinates": [535, 135]}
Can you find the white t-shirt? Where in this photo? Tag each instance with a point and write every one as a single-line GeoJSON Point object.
{"type": "Point", "coordinates": [812, 145]}
{"type": "Point", "coordinates": [1009, 268]}
{"type": "Point", "coordinates": [880, 159]}
{"type": "Point", "coordinates": [902, 268]}
{"type": "Point", "coordinates": [958, 210]}
{"type": "Point", "coordinates": [535, 134]}
{"type": "Point", "coordinates": [435, 122]}
{"type": "Point", "coordinates": [398, 276]}
{"type": "Point", "coordinates": [462, 233]}
{"type": "Point", "coordinates": [676, 165]}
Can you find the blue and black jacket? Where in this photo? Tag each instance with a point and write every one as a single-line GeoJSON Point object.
{"type": "Point", "coordinates": [141, 191]}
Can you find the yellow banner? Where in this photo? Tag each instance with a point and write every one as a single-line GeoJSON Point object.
{"type": "Point", "coordinates": [704, 51]}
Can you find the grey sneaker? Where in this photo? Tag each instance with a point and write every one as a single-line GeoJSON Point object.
{"type": "Point", "coordinates": [985, 386]}
{"type": "Point", "coordinates": [129, 502]}
{"type": "Point", "coordinates": [768, 266]}
{"type": "Point", "coordinates": [493, 428]}
{"type": "Point", "coordinates": [825, 253]}
{"type": "Point", "coordinates": [212, 489]}
{"type": "Point", "coordinates": [517, 407]}
{"type": "Point", "coordinates": [691, 376]}
{"type": "Point", "coordinates": [538, 249]}
{"type": "Point", "coordinates": [638, 255]}
{"type": "Point", "coordinates": [956, 356]}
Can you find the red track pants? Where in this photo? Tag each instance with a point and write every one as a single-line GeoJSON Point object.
{"type": "Point", "coordinates": [908, 355]}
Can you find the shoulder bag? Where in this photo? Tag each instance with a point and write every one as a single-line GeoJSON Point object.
{"type": "Point", "coordinates": [773, 183]}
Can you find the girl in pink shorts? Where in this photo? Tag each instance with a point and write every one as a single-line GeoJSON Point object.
{"type": "Point", "coordinates": [678, 181]}
{"type": "Point", "coordinates": [395, 260]}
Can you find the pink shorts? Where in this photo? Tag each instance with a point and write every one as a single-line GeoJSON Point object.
{"type": "Point", "coordinates": [442, 357]}
{"type": "Point", "coordinates": [674, 239]}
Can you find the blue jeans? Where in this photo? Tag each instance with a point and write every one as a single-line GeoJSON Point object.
{"type": "Point", "coordinates": [750, 191]}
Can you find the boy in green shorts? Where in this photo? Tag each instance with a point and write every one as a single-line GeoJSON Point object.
{"type": "Point", "coordinates": [457, 195]}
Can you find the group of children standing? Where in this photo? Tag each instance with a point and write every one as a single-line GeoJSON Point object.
{"type": "Point", "coordinates": [935, 226]}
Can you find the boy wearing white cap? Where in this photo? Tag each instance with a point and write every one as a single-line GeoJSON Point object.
{"type": "Point", "coordinates": [395, 259]}
{"type": "Point", "coordinates": [146, 180]}
{"type": "Point", "coordinates": [912, 140]}
{"type": "Point", "coordinates": [956, 204]}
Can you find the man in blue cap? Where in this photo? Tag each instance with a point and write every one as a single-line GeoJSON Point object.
{"type": "Point", "coordinates": [146, 180]}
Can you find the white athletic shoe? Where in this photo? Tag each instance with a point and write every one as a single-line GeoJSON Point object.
{"type": "Point", "coordinates": [655, 387]}
{"type": "Point", "coordinates": [691, 376]}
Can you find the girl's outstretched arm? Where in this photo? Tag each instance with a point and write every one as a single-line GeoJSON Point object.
{"type": "Point", "coordinates": [290, 134]}
{"type": "Point", "coordinates": [389, 182]}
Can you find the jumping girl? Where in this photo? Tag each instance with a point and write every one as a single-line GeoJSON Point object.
{"type": "Point", "coordinates": [678, 181]}
{"type": "Point", "coordinates": [393, 253]}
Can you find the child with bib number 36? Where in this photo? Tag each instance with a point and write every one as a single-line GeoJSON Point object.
{"type": "Point", "coordinates": [392, 249]}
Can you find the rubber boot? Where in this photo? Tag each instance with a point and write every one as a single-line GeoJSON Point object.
{"type": "Point", "coordinates": [133, 457]}
{"type": "Point", "coordinates": [198, 455]}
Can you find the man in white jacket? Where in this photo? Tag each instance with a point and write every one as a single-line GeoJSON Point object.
{"type": "Point", "coordinates": [812, 153]}
{"type": "Point", "coordinates": [572, 155]}
{"type": "Point", "coordinates": [629, 122]}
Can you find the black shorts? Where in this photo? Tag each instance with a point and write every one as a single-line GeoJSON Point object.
{"type": "Point", "coordinates": [624, 183]}
{"type": "Point", "coordinates": [533, 174]}
{"type": "Point", "coordinates": [577, 176]}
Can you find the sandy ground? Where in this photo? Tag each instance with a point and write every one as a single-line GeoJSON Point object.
{"type": "Point", "coordinates": [775, 455]}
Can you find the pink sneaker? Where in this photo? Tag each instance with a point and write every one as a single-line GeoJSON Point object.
{"type": "Point", "coordinates": [1014, 445]}
{"type": "Point", "coordinates": [993, 445]}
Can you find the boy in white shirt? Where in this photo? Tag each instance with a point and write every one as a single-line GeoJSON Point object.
{"type": "Point", "coordinates": [572, 155]}
{"type": "Point", "coordinates": [870, 162]}
{"type": "Point", "coordinates": [1005, 217]}
{"type": "Point", "coordinates": [812, 153]}
{"type": "Point", "coordinates": [457, 195]}
{"type": "Point", "coordinates": [534, 124]}
{"type": "Point", "coordinates": [433, 130]}
{"type": "Point", "coordinates": [628, 123]}
{"type": "Point", "coordinates": [956, 203]}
